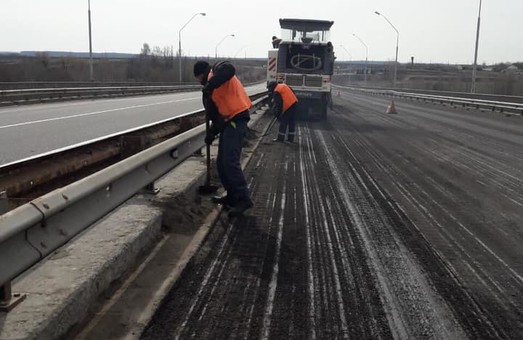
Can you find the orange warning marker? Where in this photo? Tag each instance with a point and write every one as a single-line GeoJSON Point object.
{"type": "Point", "coordinates": [392, 108]}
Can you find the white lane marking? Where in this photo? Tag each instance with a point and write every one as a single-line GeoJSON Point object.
{"type": "Point", "coordinates": [95, 113]}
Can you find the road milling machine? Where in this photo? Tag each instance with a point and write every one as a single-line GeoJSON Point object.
{"type": "Point", "coordinates": [303, 58]}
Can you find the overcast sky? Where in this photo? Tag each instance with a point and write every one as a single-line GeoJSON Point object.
{"type": "Point", "coordinates": [430, 30]}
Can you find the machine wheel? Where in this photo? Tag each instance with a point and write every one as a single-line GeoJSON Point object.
{"type": "Point", "coordinates": [323, 107]}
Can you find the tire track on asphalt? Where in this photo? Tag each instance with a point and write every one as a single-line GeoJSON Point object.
{"type": "Point", "coordinates": [392, 168]}
{"type": "Point", "coordinates": [382, 248]}
{"type": "Point", "coordinates": [353, 301]}
{"type": "Point", "coordinates": [481, 169]}
{"type": "Point", "coordinates": [338, 246]}
{"type": "Point", "coordinates": [325, 307]}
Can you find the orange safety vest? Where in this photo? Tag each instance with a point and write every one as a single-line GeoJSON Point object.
{"type": "Point", "coordinates": [288, 97]}
{"type": "Point", "coordinates": [230, 98]}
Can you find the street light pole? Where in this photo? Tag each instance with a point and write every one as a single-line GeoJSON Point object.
{"type": "Point", "coordinates": [180, 44]}
{"type": "Point", "coordinates": [216, 48]}
{"type": "Point", "coordinates": [397, 44]}
{"type": "Point", "coordinates": [474, 67]}
{"type": "Point", "coordinates": [90, 41]}
{"type": "Point", "coordinates": [366, 55]}
{"type": "Point", "coordinates": [241, 49]}
{"type": "Point", "coordinates": [350, 55]}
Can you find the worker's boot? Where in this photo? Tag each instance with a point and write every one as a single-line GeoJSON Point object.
{"type": "Point", "coordinates": [280, 138]}
{"type": "Point", "coordinates": [290, 136]}
{"type": "Point", "coordinates": [240, 207]}
{"type": "Point", "coordinates": [224, 200]}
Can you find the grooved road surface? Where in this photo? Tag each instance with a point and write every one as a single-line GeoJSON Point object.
{"type": "Point", "coordinates": [372, 226]}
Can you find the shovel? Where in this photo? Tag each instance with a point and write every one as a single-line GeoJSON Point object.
{"type": "Point", "coordinates": [269, 127]}
{"type": "Point", "coordinates": [207, 188]}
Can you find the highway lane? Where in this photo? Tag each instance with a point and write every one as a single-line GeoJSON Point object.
{"type": "Point", "coordinates": [458, 175]}
{"type": "Point", "coordinates": [26, 131]}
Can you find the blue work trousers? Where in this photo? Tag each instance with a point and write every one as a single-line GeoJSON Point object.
{"type": "Point", "coordinates": [288, 120]}
{"type": "Point", "coordinates": [229, 160]}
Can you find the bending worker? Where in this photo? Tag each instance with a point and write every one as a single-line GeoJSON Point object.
{"type": "Point", "coordinates": [285, 108]}
{"type": "Point", "coordinates": [227, 105]}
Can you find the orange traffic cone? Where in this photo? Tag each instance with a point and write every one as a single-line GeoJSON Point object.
{"type": "Point", "coordinates": [392, 108]}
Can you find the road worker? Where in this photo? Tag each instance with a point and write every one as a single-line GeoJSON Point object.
{"type": "Point", "coordinates": [227, 105]}
{"type": "Point", "coordinates": [285, 109]}
{"type": "Point", "coordinates": [275, 41]}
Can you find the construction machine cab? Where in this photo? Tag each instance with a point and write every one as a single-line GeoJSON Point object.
{"type": "Point", "coordinates": [306, 46]}
{"type": "Point", "coordinates": [305, 30]}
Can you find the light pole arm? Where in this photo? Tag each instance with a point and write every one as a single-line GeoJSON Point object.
{"type": "Point", "coordinates": [187, 23]}
{"type": "Point", "coordinates": [390, 23]}
{"type": "Point", "coordinates": [350, 55]}
{"type": "Point", "coordinates": [180, 31]}
{"type": "Point", "coordinates": [180, 44]}
{"type": "Point", "coordinates": [366, 54]}
{"type": "Point", "coordinates": [397, 44]}
{"type": "Point", "coordinates": [394, 27]}
{"type": "Point", "coordinates": [216, 48]}
{"type": "Point", "coordinates": [366, 47]}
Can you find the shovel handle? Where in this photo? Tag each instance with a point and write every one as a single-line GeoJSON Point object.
{"type": "Point", "coordinates": [207, 151]}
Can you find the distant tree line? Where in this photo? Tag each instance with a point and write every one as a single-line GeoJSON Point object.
{"type": "Point", "coordinates": [151, 65]}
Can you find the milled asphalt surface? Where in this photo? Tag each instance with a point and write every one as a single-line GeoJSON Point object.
{"type": "Point", "coordinates": [371, 226]}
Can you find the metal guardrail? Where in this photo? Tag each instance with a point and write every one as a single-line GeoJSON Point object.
{"type": "Point", "coordinates": [26, 179]}
{"type": "Point", "coordinates": [501, 106]}
{"type": "Point", "coordinates": [34, 230]}
{"type": "Point", "coordinates": [26, 96]}
{"type": "Point", "coordinates": [481, 96]}
{"type": "Point", "coordinates": [19, 85]}
{"type": "Point", "coordinates": [35, 93]}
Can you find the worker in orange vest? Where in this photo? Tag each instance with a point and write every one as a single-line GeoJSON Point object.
{"type": "Point", "coordinates": [285, 106]}
{"type": "Point", "coordinates": [227, 105]}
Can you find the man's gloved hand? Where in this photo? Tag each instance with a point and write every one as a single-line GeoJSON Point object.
{"type": "Point", "coordinates": [209, 137]}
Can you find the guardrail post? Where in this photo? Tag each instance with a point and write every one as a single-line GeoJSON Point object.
{"type": "Point", "coordinates": [4, 204]}
{"type": "Point", "coordinates": [8, 300]}
{"type": "Point", "coordinates": [151, 188]}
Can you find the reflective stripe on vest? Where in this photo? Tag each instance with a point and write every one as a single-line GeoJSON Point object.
{"type": "Point", "coordinates": [230, 98]}
{"type": "Point", "coordinates": [288, 97]}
